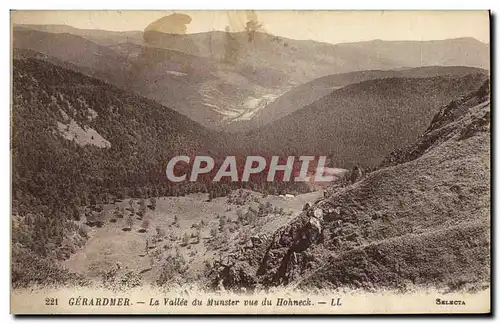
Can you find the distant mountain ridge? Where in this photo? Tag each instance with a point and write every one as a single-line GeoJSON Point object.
{"type": "Point", "coordinates": [420, 220]}
{"type": "Point", "coordinates": [362, 122]}
{"type": "Point", "coordinates": [210, 44]}
{"type": "Point", "coordinates": [97, 115]}
{"type": "Point", "coordinates": [232, 78]}
{"type": "Point", "coordinates": [307, 93]}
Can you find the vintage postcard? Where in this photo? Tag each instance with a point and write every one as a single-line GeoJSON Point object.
{"type": "Point", "coordinates": [250, 162]}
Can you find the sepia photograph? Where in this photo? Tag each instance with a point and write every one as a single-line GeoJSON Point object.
{"type": "Point", "coordinates": [250, 162]}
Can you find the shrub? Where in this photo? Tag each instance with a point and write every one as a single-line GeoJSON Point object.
{"type": "Point", "coordinates": [173, 268]}
{"type": "Point", "coordinates": [145, 224]}
{"type": "Point", "coordinates": [130, 221]}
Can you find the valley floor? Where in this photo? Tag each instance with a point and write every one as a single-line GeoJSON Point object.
{"type": "Point", "coordinates": [112, 246]}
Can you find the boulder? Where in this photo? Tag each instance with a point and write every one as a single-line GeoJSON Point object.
{"type": "Point", "coordinates": [318, 213]}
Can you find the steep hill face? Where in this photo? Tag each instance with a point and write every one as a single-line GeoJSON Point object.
{"type": "Point", "coordinates": [361, 123]}
{"type": "Point", "coordinates": [203, 89]}
{"type": "Point", "coordinates": [307, 93]}
{"type": "Point", "coordinates": [75, 142]}
{"type": "Point", "coordinates": [75, 136]}
{"type": "Point", "coordinates": [421, 219]}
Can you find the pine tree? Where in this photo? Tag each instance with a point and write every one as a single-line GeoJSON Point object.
{"type": "Point", "coordinates": [185, 239]}
{"type": "Point", "coordinates": [130, 221]}
{"type": "Point", "coordinates": [152, 202]}
{"type": "Point", "coordinates": [145, 224]}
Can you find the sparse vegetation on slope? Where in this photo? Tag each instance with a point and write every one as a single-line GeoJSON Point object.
{"type": "Point", "coordinates": [422, 219]}
{"type": "Point", "coordinates": [55, 177]}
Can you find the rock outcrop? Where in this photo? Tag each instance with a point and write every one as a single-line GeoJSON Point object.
{"type": "Point", "coordinates": [421, 218]}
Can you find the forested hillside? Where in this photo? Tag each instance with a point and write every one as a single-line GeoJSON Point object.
{"type": "Point", "coordinates": [363, 122]}
{"type": "Point", "coordinates": [421, 219]}
{"type": "Point", "coordinates": [77, 142]}
{"type": "Point", "coordinates": [307, 93]}
{"type": "Point", "coordinates": [51, 104]}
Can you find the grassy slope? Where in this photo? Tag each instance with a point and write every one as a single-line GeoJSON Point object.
{"type": "Point", "coordinates": [434, 225]}
{"type": "Point", "coordinates": [422, 220]}
{"type": "Point", "coordinates": [110, 244]}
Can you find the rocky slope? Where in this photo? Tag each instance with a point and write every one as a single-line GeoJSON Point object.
{"type": "Point", "coordinates": [422, 218]}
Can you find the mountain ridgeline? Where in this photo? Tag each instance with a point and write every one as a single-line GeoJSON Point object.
{"type": "Point", "coordinates": [421, 219]}
{"type": "Point", "coordinates": [97, 115]}
{"type": "Point", "coordinates": [219, 78]}
{"type": "Point", "coordinates": [363, 122]}
{"type": "Point", "coordinates": [309, 92]}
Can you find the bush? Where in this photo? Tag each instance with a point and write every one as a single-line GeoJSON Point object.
{"type": "Point", "coordinates": [145, 224]}
{"type": "Point", "coordinates": [185, 239]}
{"type": "Point", "coordinates": [111, 280]}
{"type": "Point", "coordinates": [28, 269]}
{"type": "Point", "coordinates": [152, 203]}
{"type": "Point", "coordinates": [173, 269]}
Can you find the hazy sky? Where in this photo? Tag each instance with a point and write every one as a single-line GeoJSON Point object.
{"type": "Point", "coordinates": [327, 26]}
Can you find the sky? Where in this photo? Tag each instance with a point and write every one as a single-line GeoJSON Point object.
{"type": "Point", "coordinates": [327, 26]}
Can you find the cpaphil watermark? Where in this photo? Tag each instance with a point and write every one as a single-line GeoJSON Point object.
{"type": "Point", "coordinates": [292, 169]}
